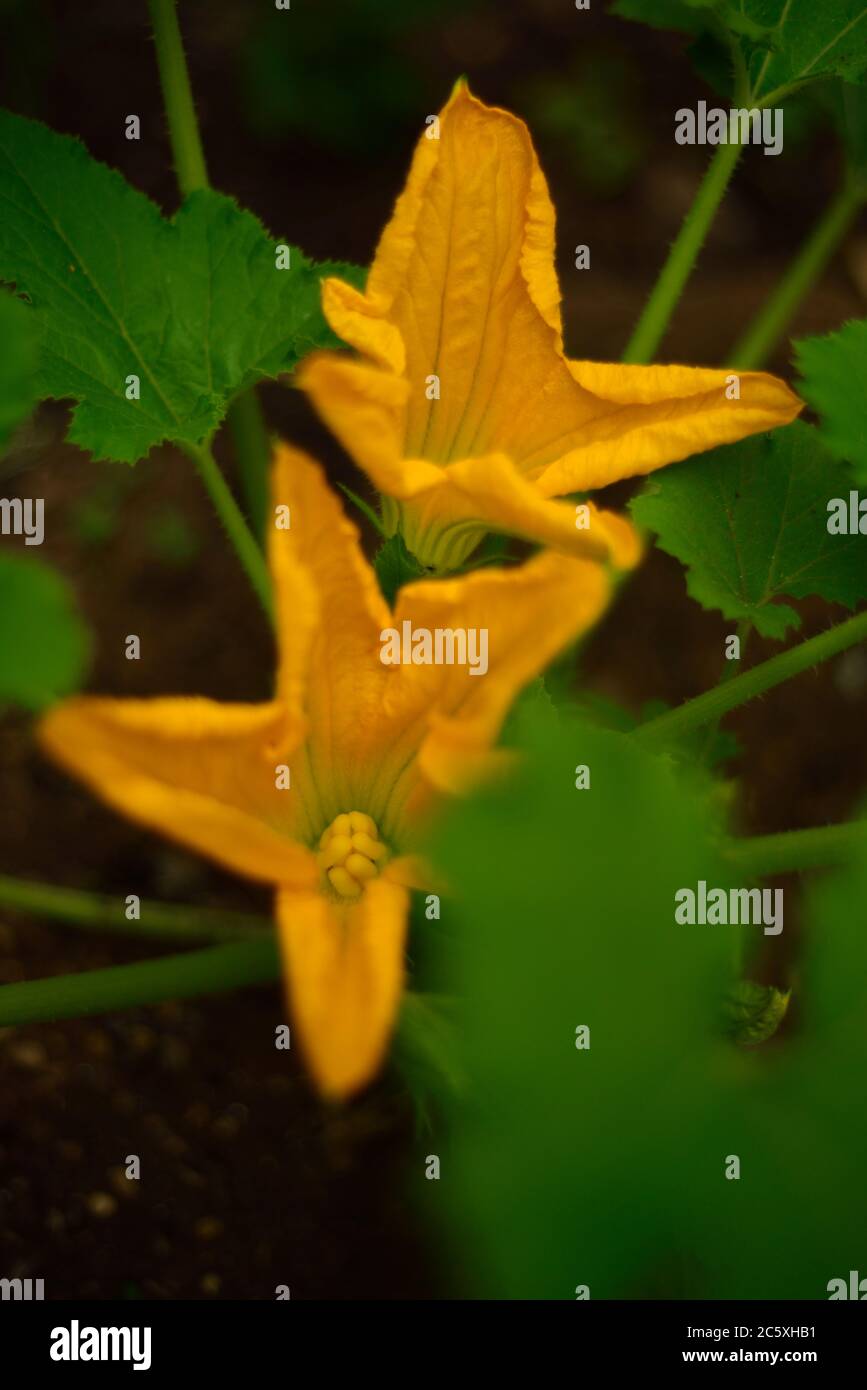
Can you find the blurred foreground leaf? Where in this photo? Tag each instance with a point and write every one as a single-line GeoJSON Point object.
{"type": "Point", "coordinates": [612, 1166]}
{"type": "Point", "coordinates": [763, 505]}
{"type": "Point", "coordinates": [795, 1115]}
{"type": "Point", "coordinates": [196, 307]}
{"type": "Point", "coordinates": [44, 645]}
{"type": "Point", "coordinates": [566, 1163]}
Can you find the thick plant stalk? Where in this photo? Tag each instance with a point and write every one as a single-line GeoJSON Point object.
{"type": "Point", "coordinates": [245, 414]}
{"type": "Point", "coordinates": [239, 533]}
{"type": "Point", "coordinates": [180, 976]}
{"type": "Point", "coordinates": [184, 134]}
{"type": "Point", "coordinates": [97, 912]}
{"type": "Point", "coordinates": [253, 452]}
{"type": "Point", "coordinates": [713, 704]}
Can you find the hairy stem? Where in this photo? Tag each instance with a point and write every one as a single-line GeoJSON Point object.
{"type": "Point", "coordinates": [186, 142]}
{"type": "Point", "coordinates": [744, 629]}
{"type": "Point", "coordinates": [147, 982]}
{"type": "Point", "coordinates": [245, 413]}
{"type": "Point", "coordinates": [657, 312]}
{"type": "Point", "coordinates": [239, 533]}
{"type": "Point", "coordinates": [253, 452]}
{"type": "Point", "coordinates": [763, 334]}
{"type": "Point", "coordinates": [97, 912]}
{"type": "Point", "coordinates": [713, 704]}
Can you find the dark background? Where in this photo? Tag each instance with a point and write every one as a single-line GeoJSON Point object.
{"type": "Point", "coordinates": [309, 118]}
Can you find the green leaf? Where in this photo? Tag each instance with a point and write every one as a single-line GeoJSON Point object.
{"type": "Point", "coordinates": [562, 902]}
{"type": "Point", "coordinates": [794, 1115]}
{"type": "Point", "coordinates": [18, 359]}
{"type": "Point", "coordinates": [607, 1166]}
{"type": "Point", "coordinates": [195, 306]}
{"type": "Point", "coordinates": [784, 42]}
{"type": "Point", "coordinates": [535, 703]}
{"type": "Point", "coordinates": [395, 566]}
{"type": "Point", "coordinates": [753, 1013]}
{"type": "Point", "coordinates": [836, 971]}
{"type": "Point", "coordinates": [810, 41]}
{"type": "Point", "coordinates": [834, 371]}
{"type": "Point", "coordinates": [750, 522]}
{"type": "Point", "coordinates": [44, 645]}
{"type": "Point", "coordinates": [364, 507]}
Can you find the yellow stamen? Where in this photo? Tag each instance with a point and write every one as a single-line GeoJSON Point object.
{"type": "Point", "coordinates": [351, 853]}
{"type": "Point", "coordinates": [366, 844]}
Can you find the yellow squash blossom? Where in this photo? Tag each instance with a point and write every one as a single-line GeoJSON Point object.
{"type": "Point", "coordinates": [321, 791]}
{"type": "Point", "coordinates": [462, 407]}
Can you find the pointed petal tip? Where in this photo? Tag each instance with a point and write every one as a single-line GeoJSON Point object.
{"type": "Point", "coordinates": [338, 1086]}
{"type": "Point", "coordinates": [344, 971]}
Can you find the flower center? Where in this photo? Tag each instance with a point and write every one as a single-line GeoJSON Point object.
{"type": "Point", "coordinates": [351, 853]}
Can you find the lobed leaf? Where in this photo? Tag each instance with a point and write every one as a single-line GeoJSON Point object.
{"type": "Point", "coordinates": [194, 306]}
{"type": "Point", "coordinates": [834, 371]}
{"type": "Point", "coordinates": [750, 522]}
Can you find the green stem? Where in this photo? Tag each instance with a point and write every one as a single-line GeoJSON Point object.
{"type": "Point", "coordinates": [253, 452]}
{"type": "Point", "coordinates": [657, 312]}
{"type": "Point", "coordinates": [97, 912]}
{"type": "Point", "coordinates": [744, 629]}
{"type": "Point", "coordinates": [753, 349]}
{"type": "Point", "coordinates": [245, 413]}
{"type": "Point", "coordinates": [365, 509]}
{"type": "Point", "coordinates": [713, 704]}
{"type": "Point", "coordinates": [236, 528]}
{"type": "Point", "coordinates": [178, 97]}
{"type": "Point", "coordinates": [795, 850]}
{"type": "Point", "coordinates": [147, 982]}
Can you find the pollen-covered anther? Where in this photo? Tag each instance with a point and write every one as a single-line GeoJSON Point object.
{"type": "Point", "coordinates": [351, 853]}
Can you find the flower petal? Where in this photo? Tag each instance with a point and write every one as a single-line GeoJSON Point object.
{"type": "Point", "coordinates": [529, 614]}
{"type": "Point", "coordinates": [491, 492]}
{"type": "Point", "coordinates": [361, 405]}
{"type": "Point", "coordinates": [200, 772]}
{"type": "Point", "coordinates": [365, 408]}
{"type": "Point", "coordinates": [410, 871]}
{"type": "Point", "coordinates": [330, 616]}
{"type": "Point", "coordinates": [464, 279]}
{"type": "Point", "coordinates": [345, 970]}
{"type": "Point", "coordinates": [646, 417]}
{"type": "Point", "coordinates": [358, 320]}
{"type": "Point", "coordinates": [462, 312]}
